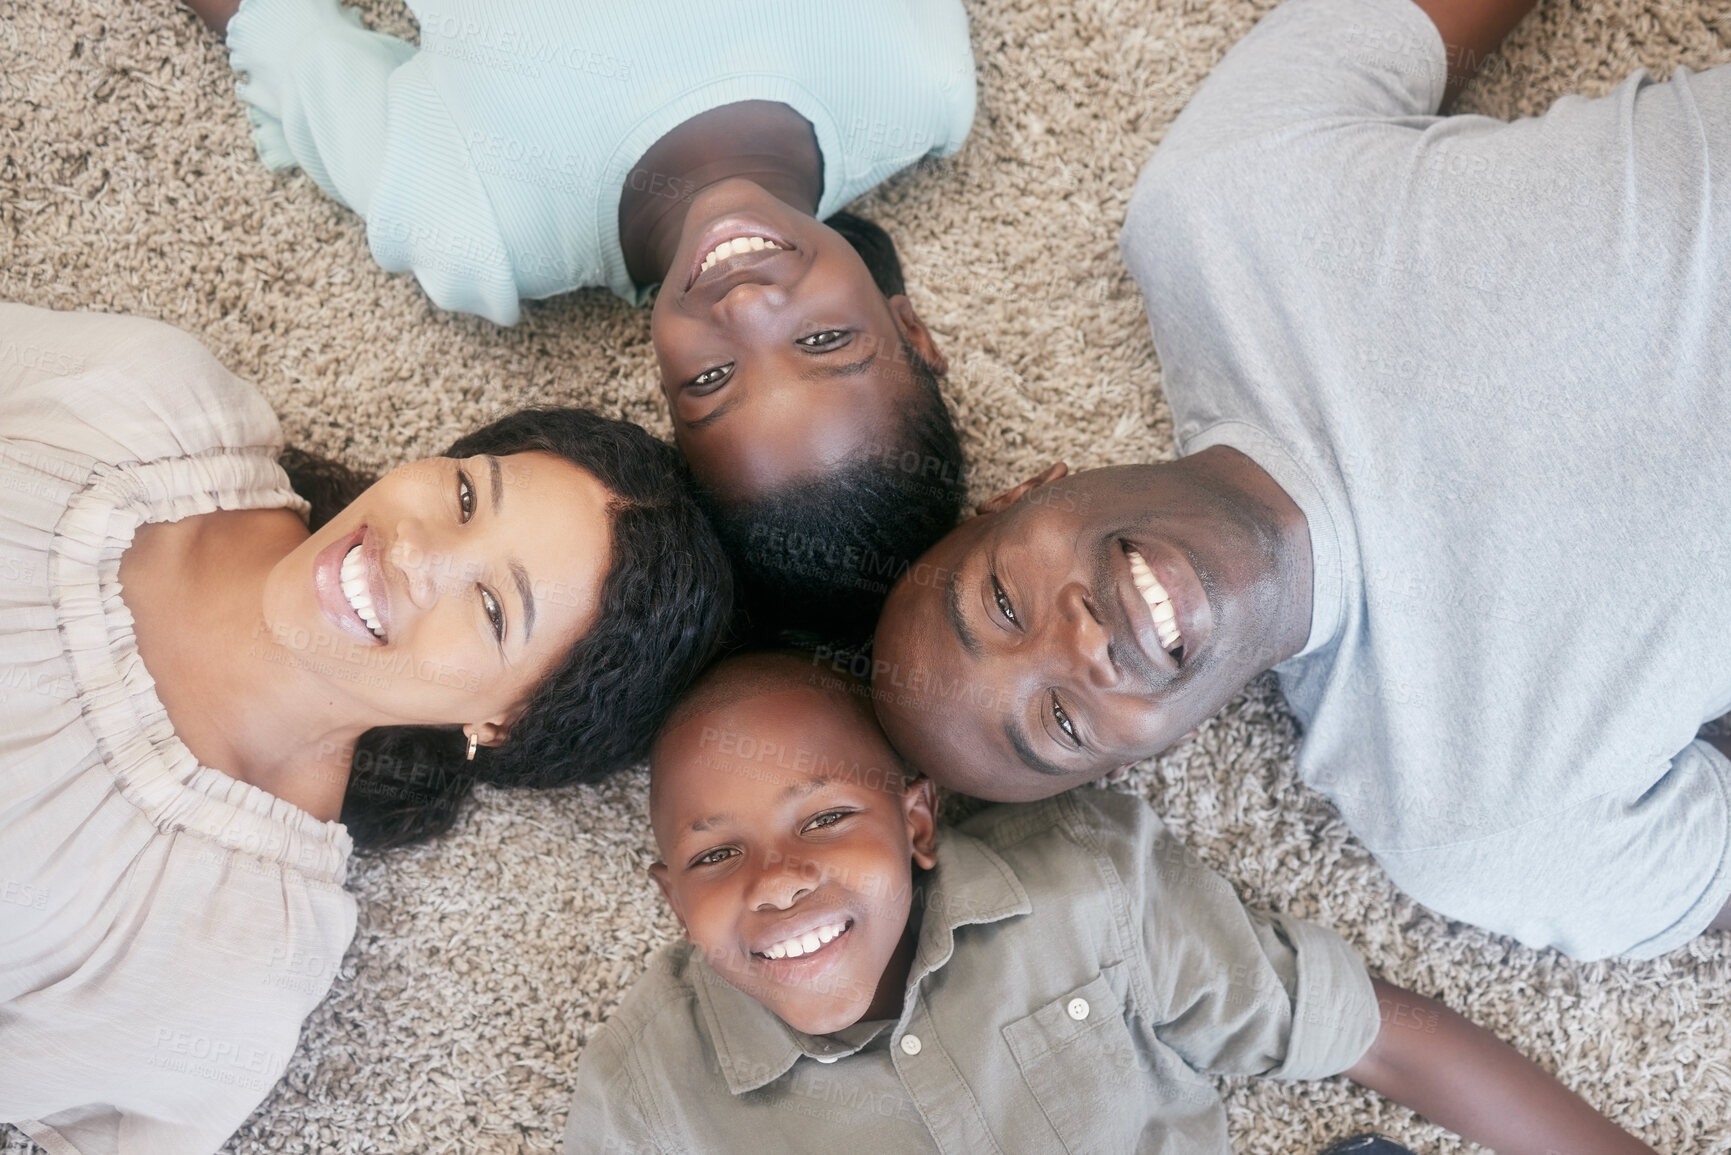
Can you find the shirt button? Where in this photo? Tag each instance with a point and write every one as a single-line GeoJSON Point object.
{"type": "Point", "coordinates": [1078, 1009]}
{"type": "Point", "coordinates": [910, 1044]}
{"type": "Point", "coordinates": [826, 1058]}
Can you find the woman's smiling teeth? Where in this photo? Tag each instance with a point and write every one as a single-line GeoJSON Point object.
{"type": "Point", "coordinates": [733, 248]}
{"type": "Point", "coordinates": [354, 582]}
{"type": "Point", "coordinates": [804, 944]}
{"type": "Point", "coordinates": [1159, 602]}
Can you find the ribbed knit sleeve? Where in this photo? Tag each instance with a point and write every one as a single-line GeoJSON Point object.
{"type": "Point", "coordinates": [316, 90]}
{"type": "Point", "coordinates": [490, 159]}
{"type": "Point", "coordinates": [357, 112]}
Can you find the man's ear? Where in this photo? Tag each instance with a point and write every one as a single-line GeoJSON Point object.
{"type": "Point", "coordinates": [917, 334]}
{"type": "Point", "coordinates": [658, 871]}
{"type": "Point", "coordinates": [999, 502]}
{"type": "Point", "coordinates": [919, 807]}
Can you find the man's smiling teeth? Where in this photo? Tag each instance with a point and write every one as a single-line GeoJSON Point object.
{"type": "Point", "coordinates": [1159, 601]}
{"type": "Point", "coordinates": [806, 943]}
{"type": "Point", "coordinates": [354, 582]}
{"type": "Point", "coordinates": [733, 248]}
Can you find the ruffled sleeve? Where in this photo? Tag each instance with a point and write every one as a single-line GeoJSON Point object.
{"type": "Point", "coordinates": [116, 389]}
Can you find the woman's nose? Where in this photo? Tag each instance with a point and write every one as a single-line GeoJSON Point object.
{"type": "Point", "coordinates": [419, 562]}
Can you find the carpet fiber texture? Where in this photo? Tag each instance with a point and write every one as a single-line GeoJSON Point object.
{"type": "Point", "coordinates": [485, 961]}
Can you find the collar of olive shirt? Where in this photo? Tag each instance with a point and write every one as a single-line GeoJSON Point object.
{"type": "Point", "coordinates": [970, 885]}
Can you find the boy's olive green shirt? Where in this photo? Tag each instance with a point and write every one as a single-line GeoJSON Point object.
{"type": "Point", "coordinates": [1078, 969]}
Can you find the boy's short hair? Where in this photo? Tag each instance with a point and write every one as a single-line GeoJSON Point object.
{"type": "Point", "coordinates": [736, 679]}
{"type": "Point", "coordinates": [742, 677]}
{"type": "Point", "coordinates": [816, 559]}
{"type": "Point", "coordinates": [745, 676]}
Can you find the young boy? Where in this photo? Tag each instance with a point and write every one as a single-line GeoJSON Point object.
{"type": "Point", "coordinates": [1055, 976]}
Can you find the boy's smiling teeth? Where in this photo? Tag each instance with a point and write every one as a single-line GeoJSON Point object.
{"type": "Point", "coordinates": [733, 248]}
{"type": "Point", "coordinates": [804, 944]}
{"type": "Point", "coordinates": [1159, 601]}
{"type": "Point", "coordinates": [354, 582]}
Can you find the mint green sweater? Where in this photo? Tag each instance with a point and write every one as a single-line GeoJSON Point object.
{"type": "Point", "coordinates": [490, 160]}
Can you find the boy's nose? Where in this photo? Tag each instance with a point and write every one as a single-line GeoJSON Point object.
{"type": "Point", "coordinates": [779, 885]}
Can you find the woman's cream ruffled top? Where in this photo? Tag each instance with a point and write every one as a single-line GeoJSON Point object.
{"type": "Point", "coordinates": [164, 928]}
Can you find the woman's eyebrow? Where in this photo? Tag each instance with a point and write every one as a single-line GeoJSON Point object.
{"type": "Point", "coordinates": [525, 594]}
{"type": "Point", "coordinates": [519, 575]}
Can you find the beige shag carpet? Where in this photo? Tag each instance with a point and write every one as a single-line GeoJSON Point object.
{"type": "Point", "coordinates": [485, 962]}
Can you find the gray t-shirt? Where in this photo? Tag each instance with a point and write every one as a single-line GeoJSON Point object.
{"type": "Point", "coordinates": [1492, 363]}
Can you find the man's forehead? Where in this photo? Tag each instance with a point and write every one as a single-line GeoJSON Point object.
{"type": "Point", "coordinates": [928, 580]}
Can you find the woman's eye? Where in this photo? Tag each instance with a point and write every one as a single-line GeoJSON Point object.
{"type": "Point", "coordinates": [821, 339]}
{"type": "Point", "coordinates": [1063, 720]}
{"type": "Point", "coordinates": [495, 613]}
{"type": "Point", "coordinates": [1003, 599]}
{"type": "Point", "coordinates": [711, 857]}
{"type": "Point", "coordinates": [710, 377]}
{"type": "Point", "coordinates": [827, 818]}
{"type": "Point", "coordinates": [465, 495]}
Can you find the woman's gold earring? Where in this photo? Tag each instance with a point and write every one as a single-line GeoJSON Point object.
{"type": "Point", "coordinates": [474, 745]}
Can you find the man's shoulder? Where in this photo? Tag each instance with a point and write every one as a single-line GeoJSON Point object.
{"type": "Point", "coordinates": [1085, 831]}
{"type": "Point", "coordinates": [1251, 131]}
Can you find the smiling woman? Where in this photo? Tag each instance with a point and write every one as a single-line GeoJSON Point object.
{"type": "Point", "coordinates": [637, 559]}
{"type": "Point", "coordinates": [197, 687]}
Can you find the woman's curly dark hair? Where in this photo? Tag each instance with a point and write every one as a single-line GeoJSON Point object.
{"type": "Point", "coordinates": [665, 607]}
